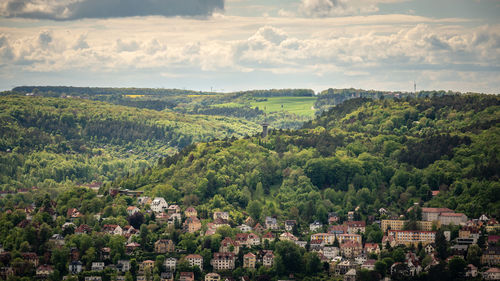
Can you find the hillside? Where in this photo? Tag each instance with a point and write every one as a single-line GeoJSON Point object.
{"type": "Point", "coordinates": [363, 152]}
{"type": "Point", "coordinates": [46, 141]}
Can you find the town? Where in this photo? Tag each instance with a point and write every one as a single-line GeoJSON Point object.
{"type": "Point", "coordinates": [166, 241]}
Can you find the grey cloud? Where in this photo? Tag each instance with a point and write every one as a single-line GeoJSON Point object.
{"type": "Point", "coordinates": [81, 43]}
{"type": "Point", "coordinates": [130, 46]}
{"type": "Point", "coordinates": [44, 39]}
{"type": "Point", "coordinates": [77, 9]}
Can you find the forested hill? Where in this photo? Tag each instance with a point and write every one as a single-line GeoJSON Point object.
{"type": "Point", "coordinates": [47, 141]}
{"type": "Point", "coordinates": [362, 153]}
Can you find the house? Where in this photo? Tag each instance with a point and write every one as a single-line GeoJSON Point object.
{"type": "Point", "coordinates": [258, 228]}
{"type": "Point", "coordinates": [268, 259]}
{"type": "Point", "coordinates": [75, 267]}
{"type": "Point", "coordinates": [158, 205]}
{"type": "Point", "coordinates": [369, 264]}
{"type": "Point", "coordinates": [471, 271]}
{"type": "Point", "coordinates": [249, 221]}
{"type": "Point", "coordinates": [186, 276]}
{"type": "Point", "coordinates": [144, 200]}
{"type": "Point", "coordinates": [288, 236]}
{"type": "Point", "coordinates": [147, 265]}
{"type": "Point", "coordinates": [343, 267]}
{"type": "Point", "coordinates": [195, 260]}
{"type": "Point", "coordinates": [349, 237]}
{"type": "Point", "coordinates": [325, 238]}
{"type": "Point", "coordinates": [337, 229]}
{"type": "Point", "coordinates": [355, 227]}
{"type": "Point", "coordinates": [132, 210]}
{"type": "Point", "coordinates": [350, 275]}
{"type": "Point", "coordinates": [163, 246]}
{"type": "Point", "coordinates": [219, 222]}
{"type": "Point", "coordinates": [330, 252]}
{"type": "Point", "coordinates": [174, 209]}
{"type": "Point", "coordinates": [447, 218]}
{"type": "Point", "coordinates": [123, 265]}
{"type": "Point", "coordinates": [409, 237]}
{"type": "Point", "coordinates": [167, 276]}
{"type": "Point", "coordinates": [212, 277]}
{"type": "Point", "coordinates": [301, 244]}
{"type": "Point", "coordinates": [350, 249]}
{"type": "Point", "coordinates": [350, 216]}
{"type": "Point", "coordinates": [170, 264]}
{"type": "Point", "coordinates": [172, 217]}
{"type": "Point", "coordinates": [271, 223]}
{"type": "Point", "coordinates": [244, 228]}
{"type": "Point", "coordinates": [492, 274]}
{"type": "Point", "coordinates": [112, 229]}
{"type": "Point", "coordinates": [83, 229]}
{"type": "Point", "coordinates": [315, 226]}
{"type": "Point", "coordinates": [372, 248]}
{"type": "Point", "coordinates": [131, 247]}
{"type": "Point", "coordinates": [221, 215]}
{"type": "Point", "coordinates": [73, 213]}
{"type": "Point", "coordinates": [382, 211]}
{"type": "Point", "coordinates": [31, 258]}
{"type": "Point", "coordinates": [6, 272]}
{"type": "Point", "coordinates": [223, 261]}
{"type": "Point", "coordinates": [289, 224]}
{"type": "Point", "coordinates": [491, 256]}
{"type": "Point", "coordinates": [229, 245]}
{"type": "Point", "coordinates": [253, 240]}
{"type": "Point", "coordinates": [268, 236]}
{"type": "Point", "coordinates": [192, 224]}
{"type": "Point", "coordinates": [242, 239]}
{"type": "Point", "coordinates": [432, 214]}
{"type": "Point", "coordinates": [43, 271]}
{"type": "Point", "coordinates": [93, 278]}
{"type": "Point", "coordinates": [333, 217]}
{"type": "Point", "coordinates": [190, 212]}
{"type": "Point", "coordinates": [249, 260]}
{"type": "Point", "coordinates": [429, 248]}
{"type": "Point", "coordinates": [162, 218]}
{"type": "Point", "coordinates": [105, 253]}
{"type": "Point", "coordinates": [97, 266]}
{"type": "Point", "coordinates": [57, 239]}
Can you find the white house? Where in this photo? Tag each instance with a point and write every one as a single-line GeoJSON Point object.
{"type": "Point", "coordinates": [159, 205]}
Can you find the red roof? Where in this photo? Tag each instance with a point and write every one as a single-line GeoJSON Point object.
{"type": "Point", "coordinates": [493, 270]}
{"type": "Point", "coordinates": [193, 256]}
{"type": "Point", "coordinates": [436, 210]}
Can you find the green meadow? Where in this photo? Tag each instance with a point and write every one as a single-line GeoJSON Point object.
{"type": "Point", "coordinates": [298, 105]}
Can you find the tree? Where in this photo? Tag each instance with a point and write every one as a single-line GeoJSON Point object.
{"type": "Point", "coordinates": [474, 254]}
{"type": "Point", "coordinates": [136, 220]}
{"type": "Point", "coordinates": [457, 268]}
{"type": "Point", "coordinates": [254, 209]}
{"type": "Point", "coordinates": [381, 267]}
{"type": "Point", "coordinates": [290, 260]}
{"type": "Point", "coordinates": [441, 245]}
{"type": "Point", "coordinates": [312, 263]}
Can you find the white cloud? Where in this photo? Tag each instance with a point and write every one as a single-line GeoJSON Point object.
{"type": "Point", "coordinates": [330, 8]}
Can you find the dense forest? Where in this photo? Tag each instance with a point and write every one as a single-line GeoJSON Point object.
{"type": "Point", "coordinates": [54, 140]}
{"type": "Point", "coordinates": [362, 153]}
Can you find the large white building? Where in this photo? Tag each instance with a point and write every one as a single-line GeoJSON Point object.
{"type": "Point", "coordinates": [159, 205]}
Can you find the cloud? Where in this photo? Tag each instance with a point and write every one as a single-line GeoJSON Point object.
{"type": "Point", "coordinates": [77, 9]}
{"type": "Point", "coordinates": [331, 8]}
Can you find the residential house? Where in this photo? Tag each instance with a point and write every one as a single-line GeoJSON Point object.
{"type": "Point", "coordinates": [105, 253]}
{"type": "Point", "coordinates": [75, 267]}
{"type": "Point", "coordinates": [158, 205]}
{"type": "Point", "coordinates": [350, 249]}
{"type": "Point", "coordinates": [83, 229]}
{"type": "Point", "coordinates": [186, 276]}
{"type": "Point", "coordinates": [491, 256]}
{"type": "Point", "coordinates": [432, 214]}
{"type": "Point", "coordinates": [447, 218]}
{"type": "Point", "coordinates": [330, 252]}
{"type": "Point", "coordinates": [144, 200]}
{"type": "Point", "coordinates": [471, 271]}
{"type": "Point", "coordinates": [343, 267]}
{"type": "Point", "coordinates": [333, 218]}
{"type": "Point", "coordinates": [268, 236]}
{"type": "Point", "coordinates": [301, 244]}
{"type": "Point", "coordinates": [268, 258]}
{"type": "Point", "coordinates": [229, 245]}
{"type": "Point", "coordinates": [93, 278]}
{"type": "Point", "coordinates": [73, 213]}
{"type": "Point", "coordinates": [429, 248]}
{"type": "Point", "coordinates": [355, 227]}
{"type": "Point", "coordinates": [337, 229]}
{"type": "Point", "coordinates": [131, 210]}
{"type": "Point", "coordinates": [195, 260]}
{"type": "Point", "coordinates": [172, 217]}
{"type": "Point", "coordinates": [249, 260]}
{"type": "Point", "coordinates": [288, 236]}
{"type": "Point", "coordinates": [190, 212]}
{"type": "Point", "coordinates": [253, 239]}
{"type": "Point", "coordinates": [326, 238]}
{"type": "Point", "coordinates": [212, 277]}
{"type": "Point", "coordinates": [223, 261]}
{"type": "Point", "coordinates": [372, 248]}
{"type": "Point", "coordinates": [219, 222]}
{"type": "Point", "coordinates": [244, 228]}
{"type": "Point", "coordinates": [492, 274]}
{"type": "Point", "coordinates": [192, 224]}
{"type": "Point", "coordinates": [146, 265]}
{"type": "Point", "coordinates": [170, 264]}
{"type": "Point", "coordinates": [409, 237]}
{"type": "Point", "coordinates": [112, 229]}
{"type": "Point", "coordinates": [57, 239]}
{"type": "Point", "coordinates": [174, 209]}
{"type": "Point", "coordinates": [289, 224]}
{"type": "Point", "coordinates": [97, 266]}
{"type": "Point", "coordinates": [221, 215]}
{"type": "Point", "coordinates": [131, 247]}
{"type": "Point", "coordinates": [123, 266]}
{"type": "Point", "coordinates": [163, 246]}
{"type": "Point", "coordinates": [349, 237]}
{"type": "Point", "coordinates": [162, 218]}
{"type": "Point", "coordinates": [369, 264]}
{"type": "Point", "coordinates": [249, 221]}
{"type": "Point", "coordinates": [315, 226]}
{"type": "Point", "coordinates": [382, 211]}
{"type": "Point", "coordinates": [167, 276]}
{"type": "Point", "coordinates": [43, 271]}
{"type": "Point", "coordinates": [258, 228]}
{"type": "Point", "coordinates": [271, 223]}
{"type": "Point", "coordinates": [350, 275]}
{"type": "Point", "coordinates": [31, 258]}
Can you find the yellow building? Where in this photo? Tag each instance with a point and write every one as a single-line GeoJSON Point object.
{"type": "Point", "coordinates": [399, 225]}
{"type": "Point", "coordinates": [249, 260]}
{"type": "Point", "coordinates": [408, 237]}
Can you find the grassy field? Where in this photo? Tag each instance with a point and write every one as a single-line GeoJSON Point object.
{"type": "Point", "coordinates": [297, 105]}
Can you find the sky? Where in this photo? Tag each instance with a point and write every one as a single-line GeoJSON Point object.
{"type": "Point", "coordinates": [232, 45]}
